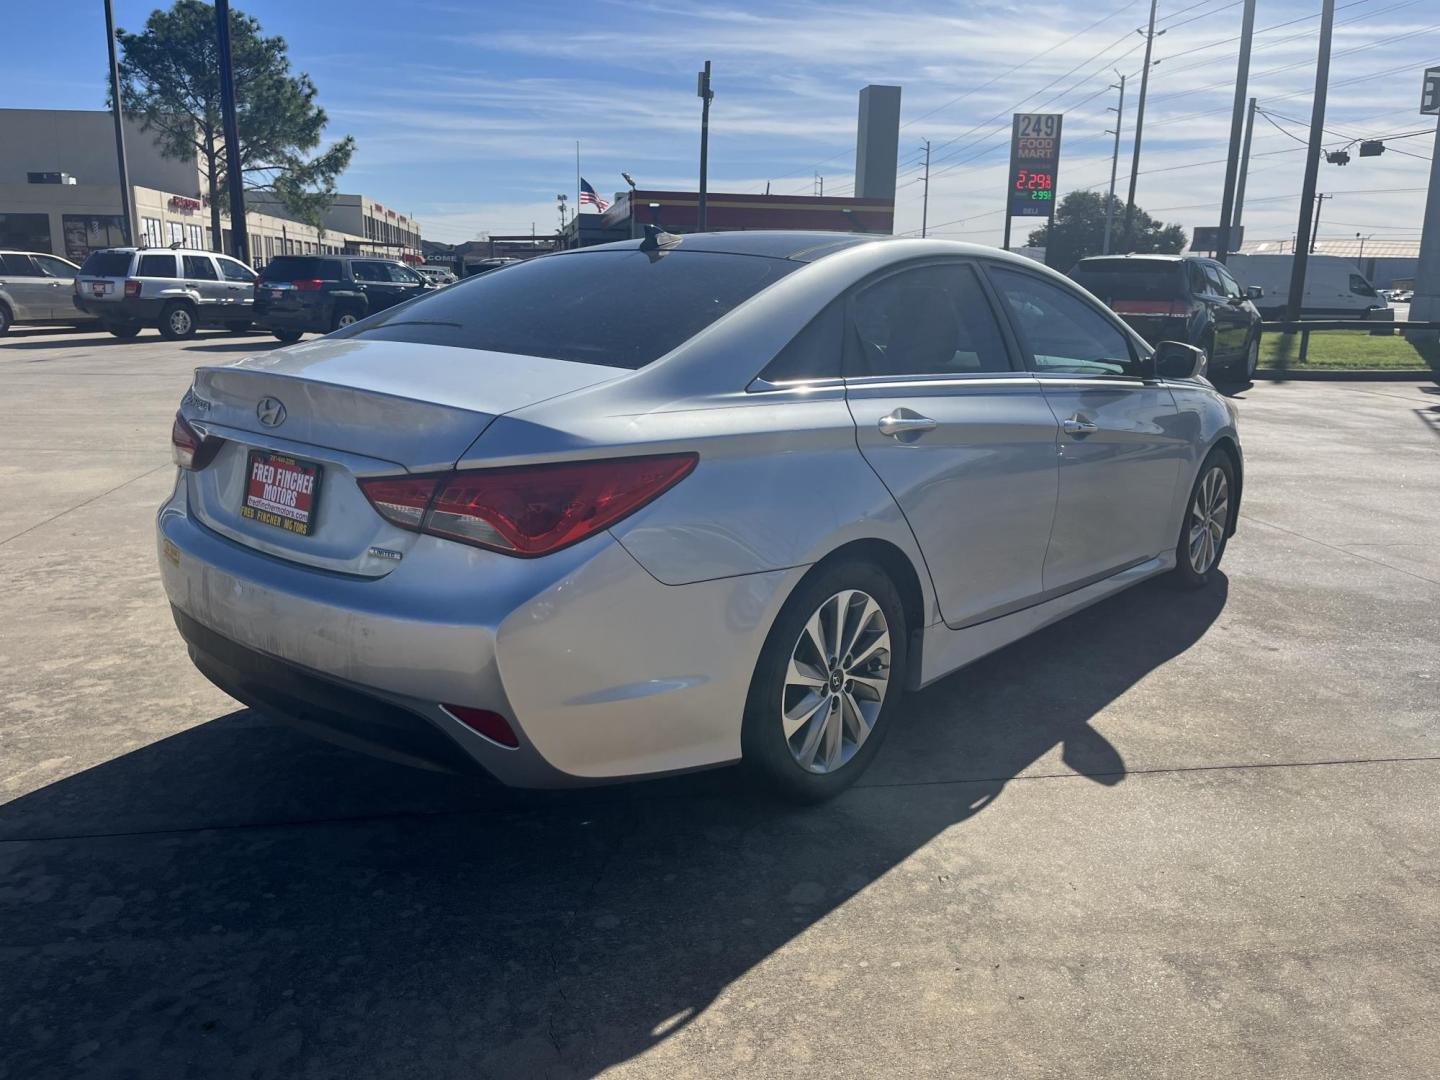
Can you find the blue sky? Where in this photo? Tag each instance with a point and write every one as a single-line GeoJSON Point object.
{"type": "Point", "coordinates": [466, 114]}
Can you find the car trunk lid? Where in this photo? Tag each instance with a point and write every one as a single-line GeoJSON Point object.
{"type": "Point", "coordinates": [352, 409]}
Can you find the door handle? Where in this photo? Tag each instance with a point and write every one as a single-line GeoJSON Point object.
{"type": "Point", "coordinates": [1079, 425]}
{"type": "Point", "coordinates": [904, 422]}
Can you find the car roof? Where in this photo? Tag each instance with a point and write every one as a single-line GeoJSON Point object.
{"type": "Point", "coordinates": [1140, 257]}
{"type": "Point", "coordinates": [800, 246]}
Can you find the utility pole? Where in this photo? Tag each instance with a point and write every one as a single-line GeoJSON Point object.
{"type": "Point", "coordinates": [118, 113]}
{"type": "Point", "coordinates": [234, 171]}
{"type": "Point", "coordinates": [1425, 304]}
{"type": "Point", "coordinates": [1315, 228]}
{"type": "Point", "coordinates": [1244, 171]}
{"type": "Point", "coordinates": [1312, 164]}
{"type": "Point", "coordinates": [1237, 123]}
{"type": "Point", "coordinates": [925, 202]}
{"type": "Point", "coordinates": [1128, 232]}
{"type": "Point", "coordinates": [1119, 110]}
{"type": "Point", "coordinates": [703, 91]}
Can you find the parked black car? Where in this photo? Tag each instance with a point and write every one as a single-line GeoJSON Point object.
{"type": "Point", "coordinates": [1180, 298]}
{"type": "Point", "coordinates": [297, 294]}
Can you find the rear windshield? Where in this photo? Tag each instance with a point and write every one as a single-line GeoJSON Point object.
{"type": "Point", "coordinates": [1130, 279]}
{"type": "Point", "coordinates": [107, 264]}
{"type": "Point", "coordinates": [300, 268]}
{"type": "Point", "coordinates": [616, 308]}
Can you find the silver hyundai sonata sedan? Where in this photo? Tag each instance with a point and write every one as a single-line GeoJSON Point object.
{"type": "Point", "coordinates": [667, 504]}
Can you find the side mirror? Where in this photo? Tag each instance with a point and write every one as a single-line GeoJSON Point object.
{"type": "Point", "coordinates": [1253, 292]}
{"type": "Point", "coordinates": [1176, 360]}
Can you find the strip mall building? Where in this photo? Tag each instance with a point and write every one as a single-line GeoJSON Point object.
{"type": "Point", "coordinates": [60, 193]}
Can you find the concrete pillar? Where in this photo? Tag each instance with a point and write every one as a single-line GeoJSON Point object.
{"type": "Point", "coordinates": [877, 142]}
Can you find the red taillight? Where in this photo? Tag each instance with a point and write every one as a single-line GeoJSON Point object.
{"type": "Point", "coordinates": [132, 287]}
{"type": "Point", "coordinates": [490, 724]}
{"type": "Point", "coordinates": [308, 284]}
{"type": "Point", "coordinates": [529, 510]}
{"type": "Point", "coordinates": [1150, 307]}
{"type": "Point", "coordinates": [189, 448]}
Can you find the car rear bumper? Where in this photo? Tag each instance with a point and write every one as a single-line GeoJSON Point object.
{"type": "Point", "coordinates": [125, 309]}
{"type": "Point", "coordinates": [603, 672]}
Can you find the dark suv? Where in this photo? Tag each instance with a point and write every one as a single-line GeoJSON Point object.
{"type": "Point", "coordinates": [1180, 298]}
{"type": "Point", "coordinates": [321, 293]}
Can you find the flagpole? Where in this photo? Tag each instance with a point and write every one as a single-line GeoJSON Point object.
{"type": "Point", "coordinates": [577, 191]}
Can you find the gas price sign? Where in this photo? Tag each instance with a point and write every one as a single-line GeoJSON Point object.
{"type": "Point", "coordinates": [1034, 164]}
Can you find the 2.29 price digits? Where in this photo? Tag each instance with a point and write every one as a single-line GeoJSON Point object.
{"type": "Point", "coordinates": [1034, 181]}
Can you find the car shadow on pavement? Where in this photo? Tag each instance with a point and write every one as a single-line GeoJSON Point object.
{"type": "Point", "coordinates": [239, 900]}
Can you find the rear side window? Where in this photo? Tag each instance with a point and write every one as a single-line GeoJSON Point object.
{"type": "Point", "coordinates": [300, 268]}
{"type": "Point", "coordinates": [198, 266]}
{"type": "Point", "coordinates": [933, 320]}
{"type": "Point", "coordinates": [1065, 334]}
{"type": "Point", "coordinates": [814, 353]}
{"type": "Point", "coordinates": [1130, 279]}
{"type": "Point", "coordinates": [1199, 284]}
{"type": "Point", "coordinates": [617, 308]}
{"type": "Point", "coordinates": [106, 264]}
{"type": "Point", "coordinates": [234, 271]}
{"type": "Point", "coordinates": [18, 266]}
{"type": "Point", "coordinates": [157, 266]}
{"type": "Point", "coordinates": [57, 268]}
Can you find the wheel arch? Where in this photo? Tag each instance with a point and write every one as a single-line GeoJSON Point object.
{"type": "Point", "coordinates": [1227, 445]}
{"type": "Point", "coordinates": [898, 567]}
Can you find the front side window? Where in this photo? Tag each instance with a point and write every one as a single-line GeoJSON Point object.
{"type": "Point", "coordinates": [616, 308]}
{"type": "Point", "coordinates": [1360, 287]}
{"type": "Point", "coordinates": [198, 266]}
{"type": "Point", "coordinates": [157, 266]}
{"type": "Point", "coordinates": [1064, 333]}
{"type": "Point", "coordinates": [1213, 277]}
{"type": "Point", "coordinates": [1230, 286]}
{"type": "Point", "coordinates": [932, 320]}
{"type": "Point", "coordinates": [401, 275]}
{"type": "Point", "coordinates": [369, 271]}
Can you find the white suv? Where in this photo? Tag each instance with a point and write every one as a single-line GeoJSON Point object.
{"type": "Point", "coordinates": [176, 290]}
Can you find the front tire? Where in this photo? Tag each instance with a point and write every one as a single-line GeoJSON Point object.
{"type": "Point", "coordinates": [1205, 530]}
{"type": "Point", "coordinates": [289, 337]}
{"type": "Point", "coordinates": [1246, 365]}
{"type": "Point", "coordinates": [826, 683]}
{"type": "Point", "coordinates": [177, 321]}
{"type": "Point", "coordinates": [343, 319]}
{"type": "Point", "coordinates": [5, 319]}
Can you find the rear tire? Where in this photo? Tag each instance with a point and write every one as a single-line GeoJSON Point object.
{"type": "Point", "coordinates": [289, 337]}
{"type": "Point", "coordinates": [813, 723]}
{"type": "Point", "coordinates": [5, 319]}
{"type": "Point", "coordinates": [1205, 529]}
{"type": "Point", "coordinates": [177, 321]}
{"type": "Point", "coordinates": [343, 319]}
{"type": "Point", "coordinates": [124, 331]}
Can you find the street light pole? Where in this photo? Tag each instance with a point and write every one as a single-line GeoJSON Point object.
{"type": "Point", "coordinates": [234, 170]}
{"type": "Point", "coordinates": [1237, 124]}
{"type": "Point", "coordinates": [128, 205]}
{"type": "Point", "coordinates": [703, 91]}
{"type": "Point", "coordinates": [1119, 110]}
{"type": "Point", "coordinates": [1235, 225]}
{"type": "Point", "coordinates": [1312, 165]}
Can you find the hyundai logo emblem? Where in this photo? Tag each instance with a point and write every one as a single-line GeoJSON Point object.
{"type": "Point", "coordinates": [270, 411]}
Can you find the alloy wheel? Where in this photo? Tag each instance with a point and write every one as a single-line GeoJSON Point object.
{"type": "Point", "coordinates": [180, 321]}
{"type": "Point", "coordinates": [1252, 356]}
{"type": "Point", "coordinates": [1209, 515]}
{"type": "Point", "coordinates": [344, 320]}
{"type": "Point", "coordinates": [836, 681]}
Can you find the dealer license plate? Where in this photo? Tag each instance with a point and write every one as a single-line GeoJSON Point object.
{"type": "Point", "coordinates": [281, 491]}
{"type": "Point", "coordinates": [99, 288]}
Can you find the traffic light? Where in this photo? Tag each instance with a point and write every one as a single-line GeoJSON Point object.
{"type": "Point", "coordinates": [1373, 148]}
{"type": "Point", "coordinates": [1337, 157]}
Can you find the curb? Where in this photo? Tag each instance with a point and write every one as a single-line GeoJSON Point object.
{"type": "Point", "coordinates": [1345, 375]}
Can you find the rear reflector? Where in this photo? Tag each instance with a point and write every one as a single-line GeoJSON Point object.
{"type": "Point", "coordinates": [1149, 307]}
{"type": "Point", "coordinates": [490, 724]}
{"type": "Point", "coordinates": [528, 510]}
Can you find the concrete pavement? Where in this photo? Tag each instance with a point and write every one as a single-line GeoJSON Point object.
{"type": "Point", "coordinates": [1177, 835]}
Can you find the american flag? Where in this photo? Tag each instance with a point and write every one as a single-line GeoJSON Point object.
{"type": "Point", "coordinates": [587, 195]}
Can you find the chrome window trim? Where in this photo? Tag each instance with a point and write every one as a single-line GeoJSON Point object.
{"type": "Point", "coordinates": [940, 382]}
{"type": "Point", "coordinates": [764, 386]}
